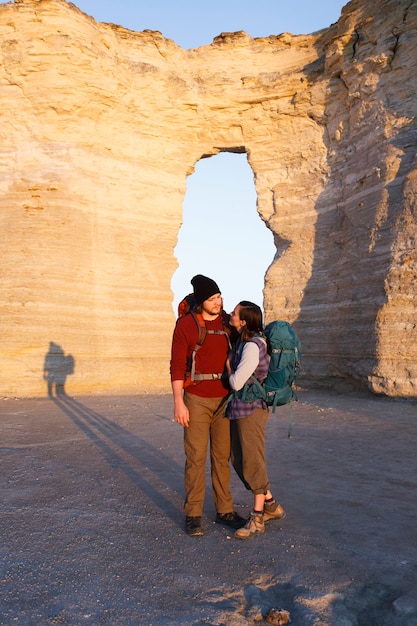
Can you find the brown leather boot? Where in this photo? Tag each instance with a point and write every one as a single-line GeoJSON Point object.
{"type": "Point", "coordinates": [254, 526]}
{"type": "Point", "coordinates": [273, 511]}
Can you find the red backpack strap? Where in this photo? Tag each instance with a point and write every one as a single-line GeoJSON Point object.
{"type": "Point", "coordinates": [191, 376]}
{"type": "Point", "coordinates": [202, 333]}
{"type": "Point", "coordinates": [201, 325]}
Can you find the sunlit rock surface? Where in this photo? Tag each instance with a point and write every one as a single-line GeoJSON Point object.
{"type": "Point", "coordinates": [100, 127]}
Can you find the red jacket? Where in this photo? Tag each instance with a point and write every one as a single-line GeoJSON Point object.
{"type": "Point", "coordinates": [211, 357]}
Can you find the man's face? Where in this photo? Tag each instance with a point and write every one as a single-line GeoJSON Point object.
{"type": "Point", "coordinates": [213, 305]}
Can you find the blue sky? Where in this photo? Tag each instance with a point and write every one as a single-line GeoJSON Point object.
{"type": "Point", "coordinates": [191, 23]}
{"type": "Point", "coordinates": [238, 249]}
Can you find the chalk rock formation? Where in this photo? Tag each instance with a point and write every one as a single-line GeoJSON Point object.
{"type": "Point", "coordinates": [100, 127]}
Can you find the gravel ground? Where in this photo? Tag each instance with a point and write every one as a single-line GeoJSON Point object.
{"type": "Point", "coordinates": [92, 522]}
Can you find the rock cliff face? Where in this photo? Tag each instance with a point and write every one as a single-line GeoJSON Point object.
{"type": "Point", "coordinates": [100, 127]}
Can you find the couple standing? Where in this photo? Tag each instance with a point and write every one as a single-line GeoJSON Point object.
{"type": "Point", "coordinates": [200, 407]}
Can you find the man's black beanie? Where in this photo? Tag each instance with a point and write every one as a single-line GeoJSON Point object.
{"type": "Point", "coordinates": [204, 288]}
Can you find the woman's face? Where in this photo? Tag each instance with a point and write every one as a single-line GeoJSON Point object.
{"type": "Point", "coordinates": [235, 320]}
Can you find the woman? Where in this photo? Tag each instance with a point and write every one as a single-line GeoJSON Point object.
{"type": "Point", "coordinates": [248, 419]}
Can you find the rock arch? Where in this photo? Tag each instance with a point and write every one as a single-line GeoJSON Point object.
{"type": "Point", "coordinates": [101, 127]}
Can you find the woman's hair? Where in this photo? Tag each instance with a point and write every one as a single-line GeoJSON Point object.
{"type": "Point", "coordinates": [252, 315]}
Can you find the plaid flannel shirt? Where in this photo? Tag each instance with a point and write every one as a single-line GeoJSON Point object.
{"type": "Point", "coordinates": [238, 408]}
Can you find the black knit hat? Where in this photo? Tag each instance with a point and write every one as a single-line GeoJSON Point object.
{"type": "Point", "coordinates": [204, 288]}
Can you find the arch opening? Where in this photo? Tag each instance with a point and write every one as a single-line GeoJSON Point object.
{"type": "Point", "coordinates": [222, 235]}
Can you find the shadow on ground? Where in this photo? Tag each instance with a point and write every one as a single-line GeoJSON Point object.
{"type": "Point", "coordinates": [92, 522]}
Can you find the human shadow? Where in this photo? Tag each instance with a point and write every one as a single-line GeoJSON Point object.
{"type": "Point", "coordinates": [57, 366]}
{"type": "Point", "coordinates": [148, 468]}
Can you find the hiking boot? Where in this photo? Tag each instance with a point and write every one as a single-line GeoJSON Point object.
{"type": "Point", "coordinates": [193, 527]}
{"type": "Point", "coordinates": [273, 511]}
{"type": "Point", "coordinates": [233, 520]}
{"type": "Point", "coordinates": [254, 526]}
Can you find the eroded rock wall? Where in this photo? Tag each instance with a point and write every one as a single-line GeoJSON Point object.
{"type": "Point", "coordinates": [99, 129]}
{"type": "Point", "coordinates": [362, 293]}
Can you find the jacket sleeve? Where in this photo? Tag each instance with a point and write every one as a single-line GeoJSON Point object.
{"type": "Point", "coordinates": [184, 338]}
{"type": "Point", "coordinates": [246, 367]}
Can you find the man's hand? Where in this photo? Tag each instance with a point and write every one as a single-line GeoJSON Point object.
{"type": "Point", "coordinates": [181, 414]}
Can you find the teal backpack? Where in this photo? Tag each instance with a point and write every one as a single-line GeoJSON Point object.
{"type": "Point", "coordinates": [278, 387]}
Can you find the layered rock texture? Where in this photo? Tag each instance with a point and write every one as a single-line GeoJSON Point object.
{"type": "Point", "coordinates": [100, 127]}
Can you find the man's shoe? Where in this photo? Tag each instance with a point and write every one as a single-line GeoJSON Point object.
{"type": "Point", "coordinates": [193, 527]}
{"type": "Point", "coordinates": [273, 511]}
{"type": "Point", "coordinates": [233, 520]}
{"type": "Point", "coordinates": [254, 526]}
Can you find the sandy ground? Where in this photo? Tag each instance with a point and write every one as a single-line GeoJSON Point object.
{"type": "Point", "coordinates": [92, 522]}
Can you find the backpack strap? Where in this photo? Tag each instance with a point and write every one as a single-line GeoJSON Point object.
{"type": "Point", "coordinates": [201, 325]}
{"type": "Point", "coordinates": [202, 334]}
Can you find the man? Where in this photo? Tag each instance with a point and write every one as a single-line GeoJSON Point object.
{"type": "Point", "coordinates": [199, 406]}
